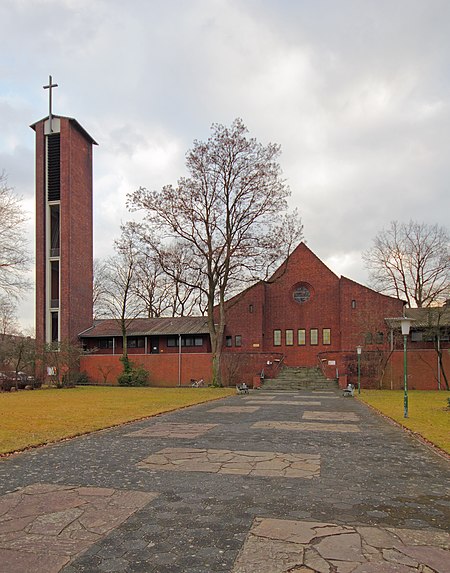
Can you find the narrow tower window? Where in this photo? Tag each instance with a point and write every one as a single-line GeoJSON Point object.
{"type": "Point", "coordinates": [55, 326]}
{"type": "Point", "coordinates": [54, 230]}
{"type": "Point", "coordinates": [54, 284]}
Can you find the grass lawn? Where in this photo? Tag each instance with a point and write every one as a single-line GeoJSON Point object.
{"type": "Point", "coordinates": [428, 413]}
{"type": "Point", "coordinates": [48, 415]}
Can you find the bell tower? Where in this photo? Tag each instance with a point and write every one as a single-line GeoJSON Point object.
{"type": "Point", "coordinates": [64, 249]}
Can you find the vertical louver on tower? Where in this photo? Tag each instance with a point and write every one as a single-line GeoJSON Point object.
{"type": "Point", "coordinates": [53, 167]}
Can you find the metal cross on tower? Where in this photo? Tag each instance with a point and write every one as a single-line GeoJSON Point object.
{"type": "Point", "coordinates": [49, 88]}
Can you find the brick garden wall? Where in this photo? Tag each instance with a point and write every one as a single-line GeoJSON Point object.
{"type": "Point", "coordinates": [422, 370]}
{"type": "Point", "coordinates": [163, 368]}
{"type": "Point", "coordinates": [385, 369]}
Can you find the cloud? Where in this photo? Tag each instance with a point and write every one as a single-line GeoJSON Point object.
{"type": "Point", "coordinates": [356, 92]}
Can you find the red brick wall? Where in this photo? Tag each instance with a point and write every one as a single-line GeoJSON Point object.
{"type": "Point", "coordinates": [384, 369]}
{"type": "Point", "coordinates": [368, 316]}
{"type": "Point", "coordinates": [275, 308]}
{"type": "Point", "coordinates": [163, 368]}
{"type": "Point", "coordinates": [330, 306]}
{"type": "Point", "coordinates": [422, 370]}
{"type": "Point", "coordinates": [76, 231]}
{"type": "Point", "coordinates": [244, 317]}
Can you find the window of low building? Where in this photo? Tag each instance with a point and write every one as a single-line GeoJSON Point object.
{"type": "Point", "coordinates": [314, 336]}
{"type": "Point", "coordinates": [185, 341]}
{"type": "Point", "coordinates": [105, 343]}
{"type": "Point", "coordinates": [416, 336]}
{"type": "Point", "coordinates": [135, 342]}
{"type": "Point", "coordinates": [277, 337]}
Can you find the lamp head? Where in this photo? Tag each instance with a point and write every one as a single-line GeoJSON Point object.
{"type": "Point", "coordinates": [406, 325]}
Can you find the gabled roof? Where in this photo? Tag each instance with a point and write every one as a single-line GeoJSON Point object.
{"type": "Point", "coordinates": [429, 317]}
{"type": "Point", "coordinates": [72, 120]}
{"type": "Point", "coordinates": [301, 250]}
{"type": "Point", "coordinates": [148, 327]}
{"type": "Point", "coordinates": [346, 279]}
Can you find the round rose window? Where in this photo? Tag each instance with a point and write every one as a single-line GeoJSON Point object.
{"type": "Point", "coordinates": [301, 294]}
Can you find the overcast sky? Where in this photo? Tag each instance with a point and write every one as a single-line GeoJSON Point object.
{"type": "Point", "coordinates": [356, 92]}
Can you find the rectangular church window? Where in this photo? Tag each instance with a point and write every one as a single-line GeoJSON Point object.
{"type": "Point", "coordinates": [301, 337]}
{"type": "Point", "coordinates": [289, 337]}
{"type": "Point", "coordinates": [353, 303]}
{"type": "Point", "coordinates": [277, 337]}
{"type": "Point", "coordinates": [54, 230]}
{"type": "Point", "coordinates": [314, 336]}
{"type": "Point", "coordinates": [238, 340]}
{"type": "Point", "coordinates": [228, 341]}
{"type": "Point", "coordinates": [54, 284]}
{"type": "Point", "coordinates": [326, 336]}
{"type": "Point", "coordinates": [54, 319]}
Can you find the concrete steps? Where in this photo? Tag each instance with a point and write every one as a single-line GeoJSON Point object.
{"type": "Point", "coordinates": [299, 378]}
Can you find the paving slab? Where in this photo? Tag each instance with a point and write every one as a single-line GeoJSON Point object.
{"type": "Point", "coordinates": [282, 546]}
{"type": "Point", "coordinates": [331, 416]}
{"type": "Point", "coordinates": [174, 430]}
{"type": "Point", "coordinates": [380, 493]}
{"type": "Point", "coordinates": [287, 402]}
{"type": "Point", "coordinates": [306, 426]}
{"type": "Point", "coordinates": [44, 527]}
{"type": "Point", "coordinates": [235, 409]}
{"type": "Point", "coordinates": [257, 463]}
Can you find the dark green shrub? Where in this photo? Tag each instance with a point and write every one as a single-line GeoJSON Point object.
{"type": "Point", "coordinates": [132, 376]}
{"type": "Point", "coordinates": [82, 379]}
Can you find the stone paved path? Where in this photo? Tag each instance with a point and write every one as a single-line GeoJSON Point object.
{"type": "Point", "coordinates": [274, 488]}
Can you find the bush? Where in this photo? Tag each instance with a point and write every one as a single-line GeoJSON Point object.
{"type": "Point", "coordinates": [132, 376]}
{"type": "Point", "coordinates": [82, 379]}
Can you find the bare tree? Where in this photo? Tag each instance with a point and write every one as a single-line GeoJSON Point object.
{"type": "Point", "coordinates": [230, 211]}
{"type": "Point", "coordinates": [99, 287]}
{"type": "Point", "coordinates": [14, 256]}
{"type": "Point", "coordinates": [184, 281]}
{"type": "Point", "coordinates": [8, 316]}
{"type": "Point", "coordinates": [61, 361]}
{"type": "Point", "coordinates": [411, 261]}
{"type": "Point", "coordinates": [117, 299]}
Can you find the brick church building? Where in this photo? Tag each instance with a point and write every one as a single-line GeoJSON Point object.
{"type": "Point", "coordinates": [304, 315]}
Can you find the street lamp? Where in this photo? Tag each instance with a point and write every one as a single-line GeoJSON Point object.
{"type": "Point", "coordinates": [406, 325]}
{"type": "Point", "coordinates": [358, 352]}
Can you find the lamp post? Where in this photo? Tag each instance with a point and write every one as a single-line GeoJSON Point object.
{"type": "Point", "coordinates": [358, 352]}
{"type": "Point", "coordinates": [406, 325]}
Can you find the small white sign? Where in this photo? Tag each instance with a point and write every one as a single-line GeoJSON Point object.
{"type": "Point", "coordinates": [331, 362]}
